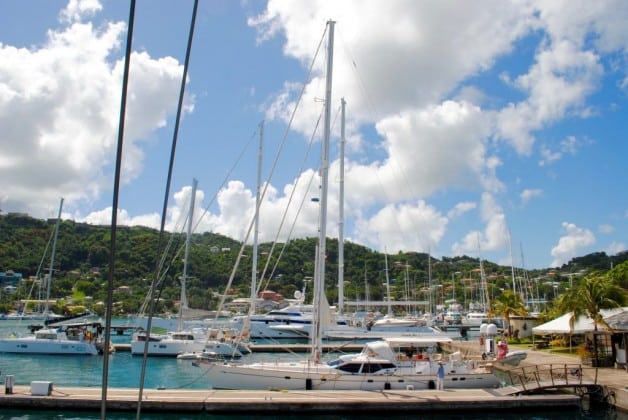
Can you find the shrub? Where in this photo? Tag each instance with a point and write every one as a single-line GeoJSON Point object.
{"type": "Point", "coordinates": [583, 352]}
{"type": "Point", "coordinates": [558, 342]}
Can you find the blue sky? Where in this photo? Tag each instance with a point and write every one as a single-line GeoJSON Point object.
{"type": "Point", "coordinates": [472, 127]}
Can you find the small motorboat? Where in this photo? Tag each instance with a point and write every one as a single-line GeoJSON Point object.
{"type": "Point", "coordinates": [513, 358]}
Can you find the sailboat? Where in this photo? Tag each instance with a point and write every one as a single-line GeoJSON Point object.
{"type": "Point", "coordinates": [176, 343]}
{"type": "Point", "coordinates": [377, 367]}
{"type": "Point", "coordinates": [75, 338]}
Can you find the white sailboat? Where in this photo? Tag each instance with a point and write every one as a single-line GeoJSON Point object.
{"type": "Point", "coordinates": [175, 343]}
{"type": "Point", "coordinates": [370, 370]}
{"type": "Point", "coordinates": [71, 339]}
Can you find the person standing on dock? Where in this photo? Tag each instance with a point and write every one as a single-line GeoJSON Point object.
{"type": "Point", "coordinates": [440, 376]}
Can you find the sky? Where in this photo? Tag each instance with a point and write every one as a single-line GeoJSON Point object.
{"type": "Point", "coordinates": [493, 129]}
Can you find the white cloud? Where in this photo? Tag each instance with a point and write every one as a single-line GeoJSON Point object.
{"type": "Point", "coordinates": [495, 234]}
{"type": "Point", "coordinates": [557, 85]}
{"type": "Point", "coordinates": [569, 145]}
{"type": "Point", "coordinates": [103, 217]}
{"type": "Point", "coordinates": [437, 147]}
{"type": "Point", "coordinates": [528, 194]}
{"type": "Point", "coordinates": [59, 106]}
{"type": "Point", "coordinates": [405, 227]}
{"type": "Point", "coordinates": [606, 228]}
{"type": "Point", "coordinates": [397, 59]}
{"type": "Point", "coordinates": [405, 71]}
{"type": "Point", "coordinates": [77, 9]}
{"type": "Point", "coordinates": [460, 209]}
{"type": "Point", "coordinates": [615, 248]}
{"type": "Point", "coordinates": [570, 245]}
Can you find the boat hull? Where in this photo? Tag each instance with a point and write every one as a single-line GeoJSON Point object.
{"type": "Point", "coordinates": [30, 345]}
{"type": "Point", "coordinates": [305, 376]}
{"type": "Point", "coordinates": [166, 348]}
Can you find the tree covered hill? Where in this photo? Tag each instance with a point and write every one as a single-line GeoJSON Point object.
{"type": "Point", "coordinates": [82, 266]}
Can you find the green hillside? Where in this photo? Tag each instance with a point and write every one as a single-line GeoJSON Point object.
{"type": "Point", "coordinates": [82, 267]}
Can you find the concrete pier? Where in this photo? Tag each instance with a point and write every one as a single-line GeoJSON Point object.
{"type": "Point", "coordinates": [615, 380]}
{"type": "Point", "coordinates": [306, 402]}
{"type": "Point", "coordinates": [318, 402]}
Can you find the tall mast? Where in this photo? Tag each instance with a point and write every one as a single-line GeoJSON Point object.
{"type": "Point", "coordinates": [512, 265]}
{"type": "Point", "coordinates": [341, 216]}
{"type": "Point", "coordinates": [256, 228]}
{"type": "Point", "coordinates": [184, 278]}
{"type": "Point", "coordinates": [319, 274]}
{"type": "Point", "coordinates": [52, 260]}
{"type": "Point", "coordinates": [389, 313]}
{"type": "Point", "coordinates": [484, 296]}
{"type": "Point", "coordinates": [429, 279]}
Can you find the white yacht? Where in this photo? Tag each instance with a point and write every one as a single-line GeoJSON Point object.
{"type": "Point", "coordinates": [71, 339]}
{"type": "Point", "coordinates": [167, 345]}
{"type": "Point", "coordinates": [394, 363]}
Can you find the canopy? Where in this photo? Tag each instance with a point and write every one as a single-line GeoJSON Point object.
{"type": "Point", "coordinates": [581, 325]}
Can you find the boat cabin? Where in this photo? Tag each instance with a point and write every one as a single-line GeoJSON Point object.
{"type": "Point", "coordinates": [46, 334]}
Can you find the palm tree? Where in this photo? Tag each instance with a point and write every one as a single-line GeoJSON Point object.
{"type": "Point", "coordinates": [507, 305]}
{"type": "Point", "coordinates": [595, 293]}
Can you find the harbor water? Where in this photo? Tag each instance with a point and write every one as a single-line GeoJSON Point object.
{"type": "Point", "coordinates": [171, 373]}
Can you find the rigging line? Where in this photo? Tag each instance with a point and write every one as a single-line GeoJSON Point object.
{"type": "Point", "coordinates": [285, 214]}
{"type": "Point", "coordinates": [114, 212]}
{"type": "Point", "coordinates": [273, 167]}
{"type": "Point", "coordinates": [290, 232]}
{"type": "Point", "coordinates": [372, 109]}
{"type": "Point", "coordinates": [285, 244]}
{"type": "Point", "coordinates": [161, 273]}
{"type": "Point", "coordinates": [38, 274]}
{"type": "Point", "coordinates": [225, 179]}
{"type": "Point", "coordinates": [166, 195]}
{"type": "Point", "coordinates": [354, 68]}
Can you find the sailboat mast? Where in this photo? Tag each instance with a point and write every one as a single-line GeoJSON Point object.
{"type": "Point", "coordinates": [184, 278]}
{"type": "Point", "coordinates": [484, 296]}
{"type": "Point", "coordinates": [52, 260]}
{"type": "Point", "coordinates": [341, 215]}
{"type": "Point", "coordinates": [256, 227]}
{"type": "Point", "coordinates": [429, 280]}
{"type": "Point", "coordinates": [512, 265]}
{"type": "Point", "coordinates": [319, 275]}
{"type": "Point", "coordinates": [389, 313]}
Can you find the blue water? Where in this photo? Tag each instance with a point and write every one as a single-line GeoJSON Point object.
{"type": "Point", "coordinates": [170, 373]}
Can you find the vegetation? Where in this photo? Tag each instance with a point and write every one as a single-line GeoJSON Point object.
{"type": "Point", "coordinates": [595, 292]}
{"type": "Point", "coordinates": [82, 257]}
{"type": "Point", "coordinates": [508, 304]}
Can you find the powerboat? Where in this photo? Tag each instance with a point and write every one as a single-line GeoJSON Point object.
{"type": "Point", "coordinates": [167, 345]}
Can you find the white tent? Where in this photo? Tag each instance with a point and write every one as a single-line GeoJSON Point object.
{"type": "Point", "coordinates": [583, 324]}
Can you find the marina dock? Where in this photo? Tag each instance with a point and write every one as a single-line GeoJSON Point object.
{"type": "Point", "coordinates": [306, 402]}
{"type": "Point", "coordinates": [49, 396]}
{"type": "Point", "coordinates": [614, 380]}
{"type": "Point", "coordinates": [278, 348]}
